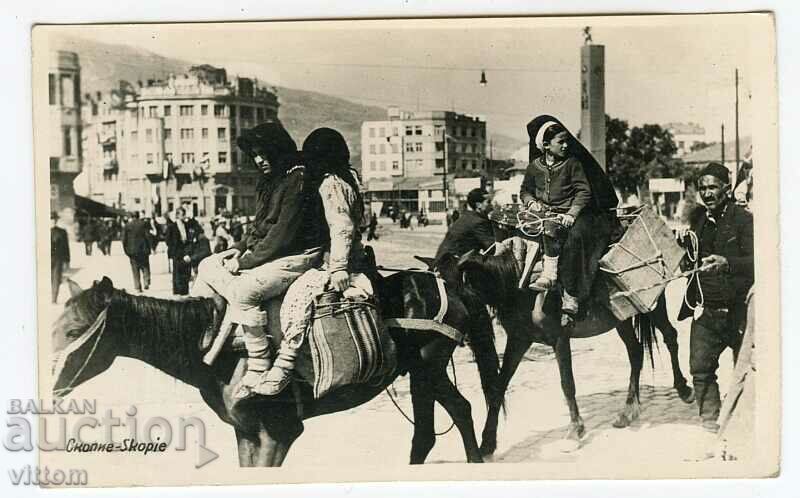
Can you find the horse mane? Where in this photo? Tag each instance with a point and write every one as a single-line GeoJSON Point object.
{"type": "Point", "coordinates": [161, 332]}
{"type": "Point", "coordinates": [501, 272]}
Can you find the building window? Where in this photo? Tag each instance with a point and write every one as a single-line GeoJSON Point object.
{"type": "Point", "coordinates": [418, 147]}
{"type": "Point", "coordinates": [436, 206]}
{"type": "Point", "coordinates": [186, 110]}
{"type": "Point", "coordinates": [204, 110]}
{"type": "Point", "coordinates": [187, 133]}
{"type": "Point", "coordinates": [440, 163]}
{"type": "Point", "coordinates": [409, 164]}
{"type": "Point", "coordinates": [149, 158]}
{"type": "Point", "coordinates": [51, 79]}
{"type": "Point", "coordinates": [187, 157]}
{"type": "Point", "coordinates": [167, 133]}
{"type": "Point", "coordinates": [395, 165]}
{"type": "Point", "coordinates": [233, 111]}
{"type": "Point", "coordinates": [419, 163]}
{"type": "Point", "coordinates": [418, 130]}
{"type": "Point", "coordinates": [259, 114]}
{"type": "Point", "coordinates": [168, 157]}
{"type": "Point", "coordinates": [246, 112]}
{"type": "Point", "coordinates": [383, 165]}
{"type": "Point", "coordinates": [372, 165]}
{"type": "Point", "coordinates": [221, 135]}
{"type": "Point", "coordinates": [148, 135]}
{"type": "Point", "coordinates": [409, 146]}
{"type": "Point", "coordinates": [372, 148]}
{"type": "Point", "coordinates": [474, 148]}
{"type": "Point", "coordinates": [395, 131]}
{"type": "Point", "coordinates": [438, 130]}
{"type": "Point", "coordinates": [219, 111]}
{"type": "Point", "coordinates": [409, 130]}
{"type": "Point", "coordinates": [235, 157]}
{"type": "Point", "coordinates": [152, 111]}
{"type": "Point", "coordinates": [167, 110]}
{"type": "Point", "coordinates": [383, 148]}
{"type": "Point", "coordinates": [439, 146]}
{"type": "Point", "coordinates": [382, 132]}
{"type": "Point", "coordinates": [67, 141]}
{"type": "Point", "coordinates": [67, 91]}
{"type": "Point", "coordinates": [233, 133]}
{"type": "Point", "coordinates": [204, 133]}
{"type": "Point", "coordinates": [464, 164]}
{"type": "Point", "coordinates": [395, 149]}
{"type": "Point", "coordinates": [222, 157]}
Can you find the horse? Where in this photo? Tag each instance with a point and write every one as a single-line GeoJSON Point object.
{"type": "Point", "coordinates": [528, 317]}
{"type": "Point", "coordinates": [100, 323]}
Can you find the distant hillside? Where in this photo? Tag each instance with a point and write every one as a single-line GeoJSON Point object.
{"type": "Point", "coordinates": [104, 65]}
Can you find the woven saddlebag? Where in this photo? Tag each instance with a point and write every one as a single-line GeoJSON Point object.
{"type": "Point", "coordinates": [635, 271]}
{"type": "Point", "coordinates": [348, 343]}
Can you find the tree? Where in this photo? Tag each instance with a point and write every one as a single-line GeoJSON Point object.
{"type": "Point", "coordinates": [630, 152]}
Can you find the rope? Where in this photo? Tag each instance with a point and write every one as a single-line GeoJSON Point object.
{"type": "Point", "coordinates": [693, 253]}
{"type": "Point", "coordinates": [411, 420]}
{"type": "Point", "coordinates": [535, 226]}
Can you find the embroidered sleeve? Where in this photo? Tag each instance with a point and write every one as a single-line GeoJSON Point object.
{"type": "Point", "coordinates": [338, 199]}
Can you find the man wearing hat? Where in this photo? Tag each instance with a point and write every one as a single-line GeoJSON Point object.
{"type": "Point", "coordinates": [59, 254]}
{"type": "Point", "coordinates": [472, 230]}
{"type": "Point", "coordinates": [725, 238]}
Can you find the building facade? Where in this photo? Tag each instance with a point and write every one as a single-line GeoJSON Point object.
{"type": "Point", "coordinates": [165, 144]}
{"type": "Point", "coordinates": [686, 136]}
{"type": "Point", "coordinates": [406, 158]}
{"type": "Point", "coordinates": [65, 154]}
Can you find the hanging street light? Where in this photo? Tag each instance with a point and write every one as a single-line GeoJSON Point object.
{"type": "Point", "coordinates": [483, 78]}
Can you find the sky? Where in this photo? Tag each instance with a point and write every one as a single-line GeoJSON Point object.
{"type": "Point", "coordinates": [657, 71]}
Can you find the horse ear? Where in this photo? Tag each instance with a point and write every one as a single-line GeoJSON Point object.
{"type": "Point", "coordinates": [106, 287]}
{"type": "Point", "coordinates": [74, 288]}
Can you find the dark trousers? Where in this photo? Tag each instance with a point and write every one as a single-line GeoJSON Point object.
{"type": "Point", "coordinates": [711, 334]}
{"type": "Point", "coordinates": [181, 275]}
{"type": "Point", "coordinates": [88, 246]}
{"type": "Point", "coordinates": [56, 275]}
{"type": "Point", "coordinates": [140, 267]}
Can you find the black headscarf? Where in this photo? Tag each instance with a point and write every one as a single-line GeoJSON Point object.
{"type": "Point", "coordinates": [325, 151]}
{"type": "Point", "coordinates": [603, 195]}
{"type": "Point", "coordinates": [280, 150]}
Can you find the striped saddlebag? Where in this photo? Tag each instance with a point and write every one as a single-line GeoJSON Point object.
{"type": "Point", "coordinates": [348, 343]}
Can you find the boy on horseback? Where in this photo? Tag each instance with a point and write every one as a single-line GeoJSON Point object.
{"type": "Point", "coordinates": [563, 181]}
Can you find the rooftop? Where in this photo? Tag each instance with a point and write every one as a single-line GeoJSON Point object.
{"type": "Point", "coordinates": [713, 153]}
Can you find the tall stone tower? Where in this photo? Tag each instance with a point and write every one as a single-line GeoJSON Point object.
{"type": "Point", "coordinates": [593, 99]}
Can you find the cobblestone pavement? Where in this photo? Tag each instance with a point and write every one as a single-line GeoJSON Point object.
{"type": "Point", "coordinates": [667, 431]}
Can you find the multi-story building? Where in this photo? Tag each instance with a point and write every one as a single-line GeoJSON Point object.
{"type": "Point", "coordinates": [64, 155]}
{"type": "Point", "coordinates": [172, 143]}
{"type": "Point", "coordinates": [404, 159]}
{"type": "Point", "coordinates": [686, 136]}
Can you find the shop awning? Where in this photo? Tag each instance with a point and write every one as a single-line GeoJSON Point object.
{"type": "Point", "coordinates": [96, 209]}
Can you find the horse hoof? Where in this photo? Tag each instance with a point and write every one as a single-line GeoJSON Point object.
{"type": "Point", "coordinates": [686, 394]}
{"type": "Point", "coordinates": [622, 422]}
{"type": "Point", "coordinates": [488, 448]}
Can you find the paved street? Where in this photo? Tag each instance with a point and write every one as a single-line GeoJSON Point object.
{"type": "Point", "coordinates": [667, 432]}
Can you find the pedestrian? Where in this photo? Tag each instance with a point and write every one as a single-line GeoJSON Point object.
{"type": "Point", "coordinates": [88, 234]}
{"type": "Point", "coordinates": [105, 237]}
{"type": "Point", "coordinates": [201, 249]}
{"type": "Point", "coordinates": [724, 236]}
{"type": "Point", "coordinates": [473, 231]}
{"type": "Point", "coordinates": [180, 239]}
{"type": "Point", "coordinates": [137, 248]}
{"type": "Point", "coordinates": [373, 225]}
{"type": "Point", "coordinates": [59, 255]}
{"type": "Point", "coordinates": [393, 214]}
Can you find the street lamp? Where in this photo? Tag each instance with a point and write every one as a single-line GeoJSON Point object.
{"type": "Point", "coordinates": [483, 81]}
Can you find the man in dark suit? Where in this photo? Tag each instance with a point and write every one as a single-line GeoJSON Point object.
{"type": "Point", "coordinates": [725, 242]}
{"type": "Point", "coordinates": [181, 236]}
{"type": "Point", "coordinates": [472, 230]}
{"type": "Point", "coordinates": [59, 255]}
{"type": "Point", "coordinates": [137, 248]}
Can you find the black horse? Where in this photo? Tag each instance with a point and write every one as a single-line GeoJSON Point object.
{"type": "Point", "coordinates": [101, 323]}
{"type": "Point", "coordinates": [530, 317]}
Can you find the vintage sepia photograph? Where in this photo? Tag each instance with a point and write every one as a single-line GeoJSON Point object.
{"type": "Point", "coordinates": [407, 249]}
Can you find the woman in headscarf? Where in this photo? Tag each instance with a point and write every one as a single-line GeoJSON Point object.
{"type": "Point", "coordinates": [286, 239]}
{"type": "Point", "coordinates": [565, 179]}
{"type": "Point", "coordinates": [327, 158]}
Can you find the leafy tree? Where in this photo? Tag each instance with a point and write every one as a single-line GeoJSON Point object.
{"type": "Point", "coordinates": [631, 153]}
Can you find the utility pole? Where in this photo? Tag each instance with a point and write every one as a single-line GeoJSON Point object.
{"type": "Point", "coordinates": [722, 144]}
{"type": "Point", "coordinates": [444, 176]}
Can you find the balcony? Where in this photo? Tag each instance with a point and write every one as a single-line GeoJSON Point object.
{"type": "Point", "coordinates": [110, 166]}
{"type": "Point", "coordinates": [65, 165]}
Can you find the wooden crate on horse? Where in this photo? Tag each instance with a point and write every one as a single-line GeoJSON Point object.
{"type": "Point", "coordinates": [635, 271]}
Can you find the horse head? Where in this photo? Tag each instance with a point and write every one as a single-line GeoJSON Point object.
{"type": "Point", "coordinates": [81, 348]}
{"type": "Point", "coordinates": [492, 277]}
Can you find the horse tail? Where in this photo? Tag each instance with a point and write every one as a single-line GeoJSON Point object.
{"type": "Point", "coordinates": [480, 334]}
{"type": "Point", "coordinates": [646, 332]}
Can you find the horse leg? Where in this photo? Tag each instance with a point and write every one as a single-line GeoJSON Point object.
{"type": "Point", "coordinates": [670, 335]}
{"type": "Point", "coordinates": [422, 402]}
{"type": "Point", "coordinates": [249, 445]}
{"type": "Point", "coordinates": [516, 347]}
{"type": "Point", "coordinates": [436, 356]}
{"type": "Point", "coordinates": [635, 357]}
{"type": "Point", "coordinates": [563, 352]}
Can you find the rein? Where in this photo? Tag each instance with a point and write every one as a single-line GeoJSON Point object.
{"type": "Point", "coordinates": [98, 323]}
{"type": "Point", "coordinates": [411, 420]}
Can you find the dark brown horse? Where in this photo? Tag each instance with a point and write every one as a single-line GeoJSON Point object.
{"type": "Point", "coordinates": [530, 317]}
{"type": "Point", "coordinates": [101, 323]}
